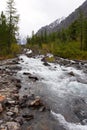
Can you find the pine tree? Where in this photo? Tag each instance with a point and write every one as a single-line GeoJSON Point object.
{"type": "Point", "coordinates": [73, 31]}
{"type": "Point", "coordinates": [12, 19]}
{"type": "Point", "coordinates": [85, 34]}
{"type": "Point", "coordinates": [81, 28]}
{"type": "Point", "coordinates": [3, 33]}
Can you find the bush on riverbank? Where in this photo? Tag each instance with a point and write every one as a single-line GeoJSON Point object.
{"type": "Point", "coordinates": [70, 50]}
{"type": "Point", "coordinates": [13, 51]}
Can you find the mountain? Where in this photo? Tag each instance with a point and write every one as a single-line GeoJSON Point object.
{"type": "Point", "coordinates": [64, 22]}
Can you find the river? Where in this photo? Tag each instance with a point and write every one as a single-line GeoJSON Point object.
{"type": "Point", "coordinates": [60, 89]}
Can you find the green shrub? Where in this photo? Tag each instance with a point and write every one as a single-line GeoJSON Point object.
{"type": "Point", "coordinates": [15, 49]}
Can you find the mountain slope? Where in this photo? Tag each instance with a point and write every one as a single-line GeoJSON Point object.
{"type": "Point", "coordinates": [64, 23]}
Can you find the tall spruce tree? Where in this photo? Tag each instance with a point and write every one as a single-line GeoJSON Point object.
{"type": "Point", "coordinates": [12, 20]}
{"type": "Point", "coordinates": [3, 33]}
{"type": "Point", "coordinates": [81, 28]}
{"type": "Point", "coordinates": [85, 34]}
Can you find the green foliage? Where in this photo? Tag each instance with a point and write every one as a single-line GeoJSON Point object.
{"type": "Point", "coordinates": [8, 30]}
{"type": "Point", "coordinates": [12, 20]}
{"type": "Point", "coordinates": [73, 31]}
{"type": "Point", "coordinates": [15, 49]}
{"type": "Point", "coordinates": [67, 43]}
{"type": "Point", "coordinates": [50, 59]}
{"type": "Point", "coordinates": [85, 35]}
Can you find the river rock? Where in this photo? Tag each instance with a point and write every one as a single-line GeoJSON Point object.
{"type": "Point", "coordinates": [1, 108]}
{"type": "Point", "coordinates": [36, 102]}
{"type": "Point", "coordinates": [3, 127]}
{"type": "Point", "coordinates": [13, 126]}
{"type": "Point", "coordinates": [15, 61]}
{"type": "Point", "coordinates": [26, 73]}
{"type": "Point", "coordinates": [20, 120]}
{"type": "Point", "coordinates": [28, 116]}
{"type": "Point", "coordinates": [46, 64]}
{"type": "Point", "coordinates": [80, 109]}
{"type": "Point", "coordinates": [84, 122]}
{"type": "Point", "coordinates": [33, 78]}
{"type": "Point", "coordinates": [15, 80]}
{"type": "Point", "coordinates": [30, 128]}
{"type": "Point", "coordinates": [15, 96]}
{"type": "Point", "coordinates": [9, 102]}
{"type": "Point", "coordinates": [2, 98]}
{"type": "Point", "coordinates": [14, 67]}
{"type": "Point", "coordinates": [84, 81]}
{"type": "Point", "coordinates": [71, 73]}
{"type": "Point", "coordinates": [18, 85]}
{"type": "Point", "coordinates": [18, 80]}
{"type": "Point", "coordinates": [10, 113]}
{"type": "Point", "coordinates": [1, 121]}
{"type": "Point", "coordinates": [22, 101]}
{"type": "Point", "coordinates": [16, 110]}
{"type": "Point", "coordinates": [42, 109]}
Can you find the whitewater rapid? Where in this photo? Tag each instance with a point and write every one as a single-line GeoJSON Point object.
{"type": "Point", "coordinates": [58, 81]}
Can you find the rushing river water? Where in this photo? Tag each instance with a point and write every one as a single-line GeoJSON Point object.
{"type": "Point", "coordinates": [57, 87]}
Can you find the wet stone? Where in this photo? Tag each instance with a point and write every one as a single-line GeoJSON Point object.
{"type": "Point", "coordinates": [71, 73]}
{"type": "Point", "coordinates": [20, 120]}
{"type": "Point", "coordinates": [13, 126]}
{"type": "Point", "coordinates": [84, 122]}
{"type": "Point", "coordinates": [46, 64]}
{"type": "Point", "coordinates": [80, 109]}
{"type": "Point", "coordinates": [9, 102]}
{"type": "Point", "coordinates": [18, 85]}
{"type": "Point", "coordinates": [10, 113]}
{"type": "Point", "coordinates": [34, 78]}
{"type": "Point", "coordinates": [28, 117]}
{"type": "Point", "coordinates": [30, 128]}
{"type": "Point", "coordinates": [15, 96]}
{"type": "Point", "coordinates": [3, 127]}
{"type": "Point", "coordinates": [26, 73]}
{"type": "Point", "coordinates": [18, 80]}
{"type": "Point", "coordinates": [16, 110]}
{"type": "Point", "coordinates": [1, 121]}
{"type": "Point", "coordinates": [15, 80]}
{"type": "Point", "coordinates": [36, 102]}
{"type": "Point", "coordinates": [22, 101]}
{"type": "Point", "coordinates": [1, 108]}
{"type": "Point", "coordinates": [42, 109]}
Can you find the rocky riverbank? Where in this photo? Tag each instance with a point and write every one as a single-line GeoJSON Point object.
{"type": "Point", "coordinates": [21, 113]}
{"type": "Point", "coordinates": [29, 111]}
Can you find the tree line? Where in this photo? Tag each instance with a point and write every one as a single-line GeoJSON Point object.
{"type": "Point", "coordinates": [77, 31]}
{"type": "Point", "coordinates": [8, 28]}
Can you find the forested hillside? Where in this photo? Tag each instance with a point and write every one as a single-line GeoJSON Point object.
{"type": "Point", "coordinates": [70, 42]}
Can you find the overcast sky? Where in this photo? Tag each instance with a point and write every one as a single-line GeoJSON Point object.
{"type": "Point", "coordinates": [37, 13]}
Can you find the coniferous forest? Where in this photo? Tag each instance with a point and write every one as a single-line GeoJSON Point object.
{"type": "Point", "coordinates": [70, 42]}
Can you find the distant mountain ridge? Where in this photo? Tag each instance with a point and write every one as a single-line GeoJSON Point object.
{"type": "Point", "coordinates": [63, 23]}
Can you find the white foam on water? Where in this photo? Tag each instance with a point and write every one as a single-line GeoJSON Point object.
{"type": "Point", "coordinates": [68, 125]}
{"type": "Point", "coordinates": [55, 76]}
{"type": "Point", "coordinates": [58, 80]}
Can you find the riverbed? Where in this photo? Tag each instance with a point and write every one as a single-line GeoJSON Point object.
{"type": "Point", "coordinates": [62, 88]}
